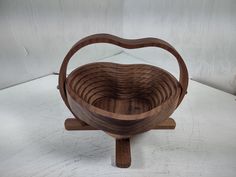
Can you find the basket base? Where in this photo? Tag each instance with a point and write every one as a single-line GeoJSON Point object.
{"type": "Point", "coordinates": [123, 153]}
{"type": "Point", "coordinates": [124, 106]}
{"type": "Point", "coordinates": [76, 124]}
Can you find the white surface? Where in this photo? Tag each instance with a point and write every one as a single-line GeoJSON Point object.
{"type": "Point", "coordinates": [202, 31]}
{"type": "Point", "coordinates": [33, 141]}
{"type": "Point", "coordinates": [35, 35]}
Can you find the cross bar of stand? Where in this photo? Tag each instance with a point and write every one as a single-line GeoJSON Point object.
{"type": "Point", "coordinates": [76, 124]}
{"type": "Point", "coordinates": [123, 154]}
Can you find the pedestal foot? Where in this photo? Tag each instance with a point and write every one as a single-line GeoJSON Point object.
{"type": "Point", "coordinates": [123, 155]}
{"type": "Point", "coordinates": [166, 124]}
{"type": "Point", "coordinates": [76, 124]}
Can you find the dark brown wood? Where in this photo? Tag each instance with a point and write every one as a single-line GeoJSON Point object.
{"type": "Point", "coordinates": [75, 124]}
{"type": "Point", "coordinates": [166, 124]}
{"type": "Point", "coordinates": [123, 154]}
{"type": "Point", "coordinates": [125, 43]}
{"type": "Point", "coordinates": [122, 100]}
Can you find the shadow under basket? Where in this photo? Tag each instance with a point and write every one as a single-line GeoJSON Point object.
{"type": "Point", "coordinates": [120, 99]}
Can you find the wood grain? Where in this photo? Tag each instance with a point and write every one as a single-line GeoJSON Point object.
{"type": "Point", "coordinates": [33, 142]}
{"type": "Point", "coordinates": [125, 43]}
{"type": "Point", "coordinates": [75, 124]}
{"type": "Point", "coordinates": [122, 100]}
{"type": "Point", "coordinates": [123, 154]}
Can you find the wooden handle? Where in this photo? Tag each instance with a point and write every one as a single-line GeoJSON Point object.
{"type": "Point", "coordinates": [128, 44]}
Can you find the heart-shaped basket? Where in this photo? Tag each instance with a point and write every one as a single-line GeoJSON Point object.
{"type": "Point", "coordinates": [121, 99]}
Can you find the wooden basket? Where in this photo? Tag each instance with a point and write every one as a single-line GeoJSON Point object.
{"type": "Point", "coordinates": [122, 100]}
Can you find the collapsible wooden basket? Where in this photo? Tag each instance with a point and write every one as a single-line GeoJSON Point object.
{"type": "Point", "coordinates": [122, 100]}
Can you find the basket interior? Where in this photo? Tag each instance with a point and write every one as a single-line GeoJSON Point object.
{"type": "Point", "coordinates": [123, 89]}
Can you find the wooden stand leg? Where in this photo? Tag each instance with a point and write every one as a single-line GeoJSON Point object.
{"type": "Point", "coordinates": [167, 124]}
{"type": "Point", "coordinates": [76, 124]}
{"type": "Point", "coordinates": [123, 155]}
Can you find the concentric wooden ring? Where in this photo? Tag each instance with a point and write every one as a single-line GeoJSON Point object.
{"type": "Point", "coordinates": [125, 43]}
{"type": "Point", "coordinates": [144, 85]}
{"type": "Point", "coordinates": [122, 100]}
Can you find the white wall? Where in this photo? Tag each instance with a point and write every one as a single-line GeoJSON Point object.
{"type": "Point", "coordinates": [203, 31]}
{"type": "Point", "coordinates": [35, 35]}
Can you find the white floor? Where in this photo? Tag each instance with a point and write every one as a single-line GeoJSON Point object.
{"type": "Point", "coordinates": [33, 141]}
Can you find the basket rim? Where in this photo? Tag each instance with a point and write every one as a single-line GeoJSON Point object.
{"type": "Point", "coordinates": [93, 109]}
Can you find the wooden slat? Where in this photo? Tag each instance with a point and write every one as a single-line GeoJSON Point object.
{"type": "Point", "coordinates": [167, 124]}
{"type": "Point", "coordinates": [75, 124]}
{"type": "Point", "coordinates": [123, 155]}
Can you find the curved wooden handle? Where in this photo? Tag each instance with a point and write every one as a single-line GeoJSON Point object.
{"type": "Point", "coordinates": [125, 43]}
